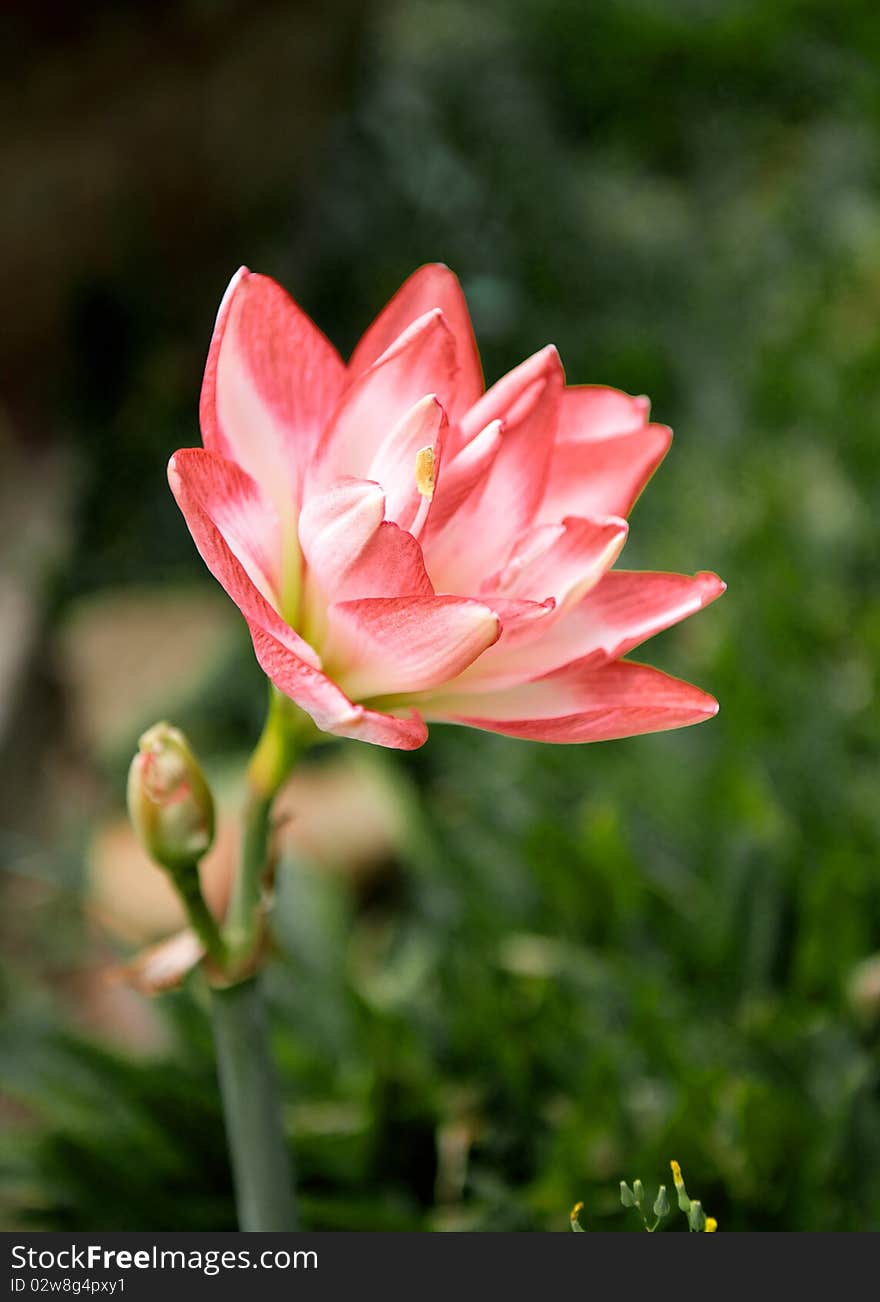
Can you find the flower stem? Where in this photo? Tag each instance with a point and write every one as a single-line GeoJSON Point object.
{"type": "Point", "coordinates": [251, 1102]}
{"type": "Point", "coordinates": [201, 919]}
{"type": "Point", "coordinates": [252, 1108]}
{"type": "Point", "coordinates": [245, 909]}
{"type": "Point", "coordinates": [276, 753]}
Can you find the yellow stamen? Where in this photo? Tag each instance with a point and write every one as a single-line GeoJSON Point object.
{"type": "Point", "coordinates": [711, 1225]}
{"type": "Point", "coordinates": [676, 1174]}
{"type": "Point", "coordinates": [425, 472]}
{"type": "Point", "coordinates": [576, 1210]}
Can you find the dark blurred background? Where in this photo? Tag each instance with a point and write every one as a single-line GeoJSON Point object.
{"type": "Point", "coordinates": [509, 975]}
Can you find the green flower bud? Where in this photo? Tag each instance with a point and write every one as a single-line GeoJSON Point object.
{"type": "Point", "coordinates": [683, 1201]}
{"type": "Point", "coordinates": [638, 1192]}
{"type": "Point", "coordinates": [169, 802]}
{"type": "Point", "coordinates": [696, 1216]}
{"type": "Point", "coordinates": [627, 1197]}
{"type": "Point", "coordinates": [661, 1202]}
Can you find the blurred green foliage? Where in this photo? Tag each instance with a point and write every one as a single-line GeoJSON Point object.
{"type": "Point", "coordinates": [591, 958]}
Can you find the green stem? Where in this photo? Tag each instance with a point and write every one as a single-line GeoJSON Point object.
{"type": "Point", "coordinates": [251, 1103]}
{"type": "Point", "coordinates": [252, 1108]}
{"type": "Point", "coordinates": [245, 912]}
{"type": "Point", "coordinates": [201, 919]}
{"type": "Point", "coordinates": [271, 763]}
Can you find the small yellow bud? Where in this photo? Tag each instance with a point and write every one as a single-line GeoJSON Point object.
{"type": "Point", "coordinates": [425, 472]}
{"type": "Point", "coordinates": [169, 801]}
{"type": "Point", "coordinates": [684, 1202]}
{"type": "Point", "coordinates": [711, 1225]}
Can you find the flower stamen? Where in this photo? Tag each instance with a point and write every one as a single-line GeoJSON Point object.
{"type": "Point", "coordinates": [425, 472]}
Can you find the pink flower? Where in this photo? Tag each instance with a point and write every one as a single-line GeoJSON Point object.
{"type": "Point", "coordinates": [407, 547]}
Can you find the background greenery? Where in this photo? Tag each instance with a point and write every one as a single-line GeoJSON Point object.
{"type": "Point", "coordinates": [576, 963]}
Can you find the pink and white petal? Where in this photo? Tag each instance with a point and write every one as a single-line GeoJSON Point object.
{"type": "Point", "coordinates": [462, 475]}
{"type": "Point", "coordinates": [628, 606]}
{"type": "Point", "coordinates": [619, 700]}
{"type": "Point", "coordinates": [391, 565]}
{"type": "Point", "coordinates": [420, 362]}
{"type": "Point", "coordinates": [327, 704]}
{"type": "Point", "coordinates": [335, 525]}
{"type": "Point", "coordinates": [492, 519]}
{"type": "Point", "coordinates": [394, 465]}
{"type": "Point", "coordinates": [303, 682]}
{"type": "Point", "coordinates": [605, 476]}
{"type": "Point", "coordinates": [517, 614]}
{"type": "Point", "coordinates": [562, 561]}
{"type": "Point", "coordinates": [623, 610]}
{"type": "Point", "coordinates": [432, 286]}
{"type": "Point", "coordinates": [351, 551]}
{"type": "Point", "coordinates": [524, 624]}
{"type": "Point", "coordinates": [398, 732]}
{"type": "Point", "coordinates": [228, 514]}
{"type": "Point", "coordinates": [591, 412]}
{"type": "Point", "coordinates": [289, 662]}
{"type": "Point", "coordinates": [393, 646]}
{"type": "Point", "coordinates": [509, 395]}
{"type": "Point", "coordinates": [272, 381]}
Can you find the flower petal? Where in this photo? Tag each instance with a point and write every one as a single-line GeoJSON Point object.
{"type": "Point", "coordinates": [432, 286]}
{"type": "Point", "coordinates": [501, 401]}
{"type": "Point", "coordinates": [629, 606]}
{"type": "Point", "coordinates": [394, 465]}
{"type": "Point", "coordinates": [394, 731]}
{"type": "Point", "coordinates": [503, 504]}
{"type": "Point", "coordinates": [618, 700]}
{"type": "Point", "coordinates": [623, 610]}
{"type": "Point", "coordinates": [392, 646]}
{"type": "Point", "coordinates": [516, 613]}
{"type": "Point", "coordinates": [289, 662]}
{"type": "Point", "coordinates": [461, 474]}
{"type": "Point", "coordinates": [602, 476]}
{"type": "Point", "coordinates": [352, 551]}
{"type": "Point", "coordinates": [271, 383]}
{"type": "Point", "coordinates": [219, 500]}
{"type": "Point", "coordinates": [330, 708]}
{"type": "Point", "coordinates": [562, 561]}
{"type": "Point", "coordinates": [591, 412]}
{"type": "Point", "coordinates": [420, 362]}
